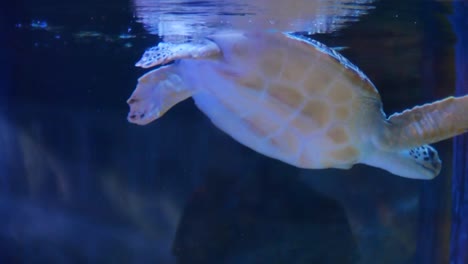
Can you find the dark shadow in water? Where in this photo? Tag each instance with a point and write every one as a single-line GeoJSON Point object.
{"type": "Point", "coordinates": [54, 211]}
{"type": "Point", "coordinates": [39, 234]}
{"type": "Point", "coordinates": [272, 217]}
{"type": "Point", "coordinates": [50, 212]}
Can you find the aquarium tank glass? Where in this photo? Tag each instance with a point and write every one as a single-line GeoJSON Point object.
{"type": "Point", "coordinates": [234, 131]}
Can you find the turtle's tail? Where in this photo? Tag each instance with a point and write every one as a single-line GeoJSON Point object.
{"type": "Point", "coordinates": [427, 124]}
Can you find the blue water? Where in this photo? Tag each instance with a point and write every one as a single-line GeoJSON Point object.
{"type": "Point", "coordinates": [79, 184]}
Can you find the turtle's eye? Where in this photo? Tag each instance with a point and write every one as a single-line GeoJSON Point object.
{"type": "Point", "coordinates": [431, 153]}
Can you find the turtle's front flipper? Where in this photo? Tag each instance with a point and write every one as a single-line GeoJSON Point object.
{"type": "Point", "coordinates": [156, 92]}
{"type": "Point", "coordinates": [426, 124]}
{"type": "Point", "coordinates": [167, 52]}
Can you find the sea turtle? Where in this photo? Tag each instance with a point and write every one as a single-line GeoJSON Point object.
{"type": "Point", "coordinates": [295, 100]}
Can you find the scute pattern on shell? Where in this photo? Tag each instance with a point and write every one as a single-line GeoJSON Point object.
{"type": "Point", "coordinates": [352, 69]}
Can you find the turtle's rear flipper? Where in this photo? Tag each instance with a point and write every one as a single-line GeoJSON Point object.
{"type": "Point", "coordinates": [426, 124]}
{"type": "Point", "coordinates": [166, 52]}
{"type": "Point", "coordinates": [156, 92]}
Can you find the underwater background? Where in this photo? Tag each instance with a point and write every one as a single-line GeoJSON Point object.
{"type": "Point", "coordinates": [79, 184]}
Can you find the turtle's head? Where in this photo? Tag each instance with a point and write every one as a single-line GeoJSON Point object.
{"type": "Point", "coordinates": [423, 163]}
{"type": "Point", "coordinates": [418, 163]}
{"type": "Point", "coordinates": [156, 92]}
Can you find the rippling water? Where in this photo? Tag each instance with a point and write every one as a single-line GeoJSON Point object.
{"type": "Point", "coordinates": [180, 19]}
